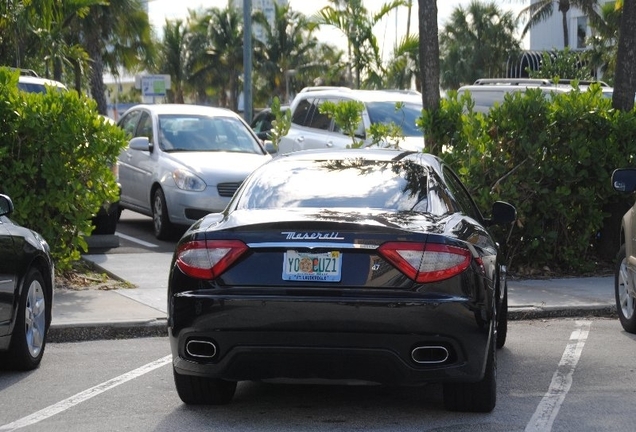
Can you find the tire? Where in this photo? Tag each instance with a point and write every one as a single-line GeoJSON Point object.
{"type": "Point", "coordinates": [625, 302]}
{"type": "Point", "coordinates": [195, 390]}
{"type": "Point", "coordinates": [502, 320]}
{"type": "Point", "coordinates": [34, 316]}
{"type": "Point", "coordinates": [161, 222]}
{"type": "Point", "coordinates": [481, 396]}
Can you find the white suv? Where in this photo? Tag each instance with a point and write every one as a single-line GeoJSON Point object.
{"type": "Point", "coordinates": [311, 129]}
{"type": "Point", "coordinates": [486, 92]}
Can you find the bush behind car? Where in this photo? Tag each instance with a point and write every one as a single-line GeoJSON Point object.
{"type": "Point", "coordinates": [550, 157]}
{"type": "Point", "coordinates": [56, 155]}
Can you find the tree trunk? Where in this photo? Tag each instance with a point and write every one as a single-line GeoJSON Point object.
{"type": "Point", "coordinates": [625, 78]}
{"type": "Point", "coordinates": [566, 36]}
{"type": "Point", "coordinates": [77, 75]}
{"type": "Point", "coordinates": [429, 61]}
{"type": "Point", "coordinates": [96, 78]}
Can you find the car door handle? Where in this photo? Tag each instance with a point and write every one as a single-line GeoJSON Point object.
{"type": "Point", "coordinates": [300, 139]}
{"type": "Point", "coordinates": [329, 144]}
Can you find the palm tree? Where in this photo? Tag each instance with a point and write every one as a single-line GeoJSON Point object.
{"type": "Point", "coordinates": [288, 47]}
{"type": "Point", "coordinates": [114, 34]}
{"type": "Point", "coordinates": [37, 34]}
{"type": "Point", "coordinates": [429, 64]}
{"type": "Point", "coordinates": [625, 83]}
{"type": "Point", "coordinates": [173, 59]}
{"type": "Point", "coordinates": [404, 66]}
{"type": "Point", "coordinates": [225, 50]}
{"type": "Point", "coordinates": [541, 10]}
{"type": "Point", "coordinates": [604, 41]}
{"type": "Point", "coordinates": [476, 42]}
{"type": "Point", "coordinates": [357, 24]}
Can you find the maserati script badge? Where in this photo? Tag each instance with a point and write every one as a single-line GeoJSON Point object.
{"type": "Point", "coordinates": [293, 235]}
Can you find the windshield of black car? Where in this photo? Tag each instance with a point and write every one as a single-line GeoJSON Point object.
{"type": "Point", "coordinates": [403, 114]}
{"type": "Point", "coordinates": [185, 132]}
{"type": "Point", "coordinates": [349, 183]}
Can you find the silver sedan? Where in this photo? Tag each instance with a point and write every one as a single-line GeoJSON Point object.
{"type": "Point", "coordinates": [184, 161]}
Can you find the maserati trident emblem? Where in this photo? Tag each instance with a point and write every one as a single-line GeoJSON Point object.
{"type": "Point", "coordinates": [293, 235]}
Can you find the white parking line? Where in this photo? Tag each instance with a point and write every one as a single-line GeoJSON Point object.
{"type": "Point", "coordinates": [549, 406]}
{"type": "Point", "coordinates": [136, 240]}
{"type": "Point", "coordinates": [64, 405]}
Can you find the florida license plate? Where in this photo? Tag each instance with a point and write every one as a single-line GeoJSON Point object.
{"type": "Point", "coordinates": [312, 267]}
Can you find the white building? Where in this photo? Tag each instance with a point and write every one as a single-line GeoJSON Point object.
{"type": "Point", "coordinates": [265, 6]}
{"type": "Point", "coordinates": [548, 34]}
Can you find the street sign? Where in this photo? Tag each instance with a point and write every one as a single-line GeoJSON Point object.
{"type": "Point", "coordinates": [154, 85]}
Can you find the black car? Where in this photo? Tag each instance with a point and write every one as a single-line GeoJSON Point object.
{"type": "Point", "coordinates": [262, 122]}
{"type": "Point", "coordinates": [371, 265]}
{"type": "Point", "coordinates": [262, 127]}
{"type": "Point", "coordinates": [26, 292]}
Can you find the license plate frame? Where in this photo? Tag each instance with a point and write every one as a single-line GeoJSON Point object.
{"type": "Point", "coordinates": [312, 266]}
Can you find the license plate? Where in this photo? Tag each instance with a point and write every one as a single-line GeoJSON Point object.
{"type": "Point", "coordinates": [312, 267]}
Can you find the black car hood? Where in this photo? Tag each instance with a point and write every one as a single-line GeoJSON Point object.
{"type": "Point", "coordinates": [408, 221]}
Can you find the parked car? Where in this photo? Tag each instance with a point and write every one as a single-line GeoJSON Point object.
{"type": "Point", "coordinates": [262, 127]}
{"type": "Point", "coordinates": [624, 180]}
{"type": "Point", "coordinates": [30, 82]}
{"type": "Point", "coordinates": [486, 92]}
{"type": "Point", "coordinates": [262, 122]}
{"type": "Point", "coordinates": [184, 161]}
{"type": "Point", "coordinates": [26, 292]}
{"type": "Point", "coordinates": [311, 129]}
{"type": "Point", "coordinates": [370, 265]}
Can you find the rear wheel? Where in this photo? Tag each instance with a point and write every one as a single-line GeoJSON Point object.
{"type": "Point", "coordinates": [625, 301]}
{"type": "Point", "coordinates": [29, 335]}
{"type": "Point", "coordinates": [195, 390]}
{"type": "Point", "coordinates": [162, 226]}
{"type": "Point", "coordinates": [480, 396]}
{"type": "Point", "coordinates": [502, 320]}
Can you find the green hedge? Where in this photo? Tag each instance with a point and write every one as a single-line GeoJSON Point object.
{"type": "Point", "coordinates": [552, 157]}
{"type": "Point", "coordinates": [56, 155]}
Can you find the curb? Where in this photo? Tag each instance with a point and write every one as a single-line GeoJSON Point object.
{"type": "Point", "coordinates": [106, 331]}
{"type": "Point", "coordinates": [533, 313]}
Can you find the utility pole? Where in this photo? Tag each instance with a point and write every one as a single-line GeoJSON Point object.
{"type": "Point", "coordinates": [247, 60]}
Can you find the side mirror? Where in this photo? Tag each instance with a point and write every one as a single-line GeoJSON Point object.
{"type": "Point", "coordinates": [503, 213]}
{"type": "Point", "coordinates": [6, 205]}
{"type": "Point", "coordinates": [140, 143]}
{"type": "Point", "coordinates": [624, 180]}
{"type": "Point", "coordinates": [270, 148]}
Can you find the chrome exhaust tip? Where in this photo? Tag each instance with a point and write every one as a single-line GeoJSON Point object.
{"type": "Point", "coordinates": [200, 349]}
{"type": "Point", "coordinates": [433, 354]}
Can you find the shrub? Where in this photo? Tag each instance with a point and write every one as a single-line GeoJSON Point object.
{"type": "Point", "coordinates": [56, 155]}
{"type": "Point", "coordinates": [552, 157]}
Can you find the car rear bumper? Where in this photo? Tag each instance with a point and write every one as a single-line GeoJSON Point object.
{"type": "Point", "coordinates": [393, 343]}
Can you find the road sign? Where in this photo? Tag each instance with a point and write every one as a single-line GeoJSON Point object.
{"type": "Point", "coordinates": [154, 85]}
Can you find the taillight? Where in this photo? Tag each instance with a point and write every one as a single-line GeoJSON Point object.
{"type": "Point", "coordinates": [208, 259]}
{"type": "Point", "coordinates": [426, 262]}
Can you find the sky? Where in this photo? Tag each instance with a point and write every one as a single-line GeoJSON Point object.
{"type": "Point", "coordinates": [389, 31]}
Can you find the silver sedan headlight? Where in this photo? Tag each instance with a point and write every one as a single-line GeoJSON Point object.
{"type": "Point", "coordinates": [185, 180]}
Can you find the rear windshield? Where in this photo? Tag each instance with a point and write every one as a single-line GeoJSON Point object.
{"type": "Point", "coordinates": [350, 183]}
